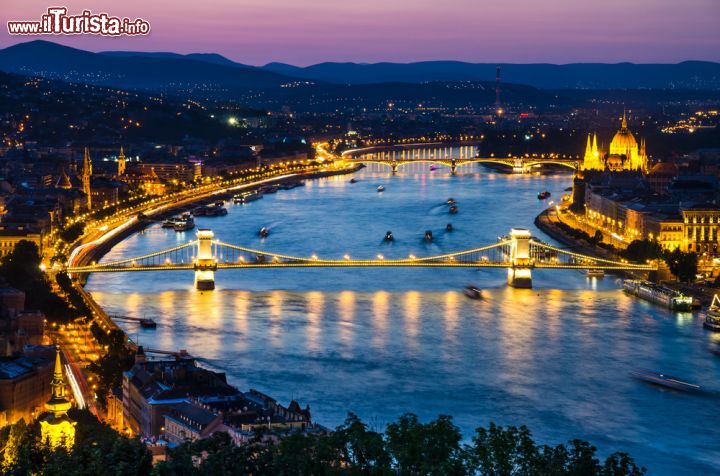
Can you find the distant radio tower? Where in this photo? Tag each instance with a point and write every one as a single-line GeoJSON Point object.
{"type": "Point", "coordinates": [498, 109]}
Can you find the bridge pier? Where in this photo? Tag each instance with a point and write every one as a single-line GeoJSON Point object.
{"type": "Point", "coordinates": [394, 168]}
{"type": "Point", "coordinates": [205, 262]}
{"type": "Point", "coordinates": [453, 166]}
{"type": "Point", "coordinates": [520, 274]}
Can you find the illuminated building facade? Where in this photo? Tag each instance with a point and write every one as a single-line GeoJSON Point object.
{"type": "Point", "coordinates": [702, 224]}
{"type": "Point", "coordinates": [624, 152]}
{"type": "Point", "coordinates": [57, 429]}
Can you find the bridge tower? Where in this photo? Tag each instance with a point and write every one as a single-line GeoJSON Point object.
{"type": "Point", "coordinates": [520, 274]}
{"type": "Point", "coordinates": [205, 262]}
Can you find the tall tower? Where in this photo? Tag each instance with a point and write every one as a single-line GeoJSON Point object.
{"type": "Point", "coordinates": [497, 90]}
{"type": "Point", "coordinates": [86, 175]}
{"type": "Point", "coordinates": [57, 429]}
{"type": "Point", "coordinates": [121, 163]}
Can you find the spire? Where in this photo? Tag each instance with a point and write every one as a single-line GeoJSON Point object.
{"type": "Point", "coordinates": [57, 429]}
{"type": "Point", "coordinates": [595, 151]}
{"type": "Point", "coordinates": [58, 374]}
{"type": "Point", "coordinates": [588, 148]}
{"type": "Point", "coordinates": [121, 162]}
{"type": "Point", "coordinates": [86, 175]}
{"type": "Point", "coordinates": [58, 404]}
{"type": "Point", "coordinates": [624, 120]}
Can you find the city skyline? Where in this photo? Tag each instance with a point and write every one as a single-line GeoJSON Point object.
{"type": "Point", "coordinates": [310, 32]}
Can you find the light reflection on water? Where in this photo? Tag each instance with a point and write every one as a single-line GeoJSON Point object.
{"type": "Point", "coordinates": [383, 342]}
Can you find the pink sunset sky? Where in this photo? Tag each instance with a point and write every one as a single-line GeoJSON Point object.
{"type": "Point", "coordinates": [304, 32]}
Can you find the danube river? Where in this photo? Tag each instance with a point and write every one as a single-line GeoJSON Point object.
{"type": "Point", "coordinates": [381, 342]}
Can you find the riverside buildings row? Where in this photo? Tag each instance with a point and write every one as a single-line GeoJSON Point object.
{"type": "Point", "coordinates": [171, 401]}
{"type": "Point", "coordinates": [40, 189]}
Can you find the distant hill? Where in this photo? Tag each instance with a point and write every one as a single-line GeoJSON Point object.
{"type": "Point", "coordinates": [143, 71]}
{"type": "Point", "coordinates": [206, 57]}
{"type": "Point", "coordinates": [685, 75]}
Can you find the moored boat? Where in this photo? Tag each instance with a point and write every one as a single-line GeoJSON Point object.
{"type": "Point", "coordinates": [655, 293]}
{"type": "Point", "coordinates": [184, 223]}
{"type": "Point", "coordinates": [147, 323]}
{"type": "Point", "coordinates": [712, 315]}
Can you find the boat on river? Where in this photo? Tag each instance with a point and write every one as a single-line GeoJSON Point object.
{"type": "Point", "coordinates": [291, 185]}
{"type": "Point", "coordinates": [543, 195]}
{"type": "Point", "coordinates": [655, 293]}
{"type": "Point", "coordinates": [664, 380]}
{"type": "Point", "coordinates": [428, 235]}
{"type": "Point", "coordinates": [453, 209]}
{"type": "Point", "coordinates": [247, 197]}
{"type": "Point", "coordinates": [184, 223]}
{"type": "Point", "coordinates": [264, 232]}
{"type": "Point", "coordinates": [381, 188]}
{"type": "Point", "coordinates": [595, 273]}
{"type": "Point", "coordinates": [473, 292]}
{"type": "Point", "coordinates": [712, 315]}
{"type": "Point", "coordinates": [389, 236]}
{"type": "Point", "coordinates": [449, 227]}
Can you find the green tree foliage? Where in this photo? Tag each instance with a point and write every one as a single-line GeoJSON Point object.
{"type": "Point", "coordinates": [98, 450]}
{"type": "Point", "coordinates": [640, 251]}
{"type": "Point", "coordinates": [21, 270]}
{"type": "Point", "coordinates": [113, 363]}
{"type": "Point", "coordinates": [407, 447]}
{"type": "Point", "coordinates": [73, 232]}
{"type": "Point", "coordinates": [683, 265]}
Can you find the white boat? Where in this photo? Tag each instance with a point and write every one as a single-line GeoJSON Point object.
{"type": "Point", "coordinates": [184, 223]}
{"type": "Point", "coordinates": [712, 315]}
{"type": "Point", "coordinates": [380, 188]}
{"type": "Point", "coordinates": [595, 273]}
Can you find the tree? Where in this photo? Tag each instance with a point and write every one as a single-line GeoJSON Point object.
{"type": "Point", "coordinates": [642, 250]}
{"type": "Point", "coordinates": [498, 451]}
{"type": "Point", "coordinates": [72, 232]}
{"type": "Point", "coordinates": [362, 450]}
{"type": "Point", "coordinates": [684, 266]}
{"type": "Point", "coordinates": [431, 448]}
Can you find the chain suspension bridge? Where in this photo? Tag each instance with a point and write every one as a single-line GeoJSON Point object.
{"type": "Point", "coordinates": [519, 253]}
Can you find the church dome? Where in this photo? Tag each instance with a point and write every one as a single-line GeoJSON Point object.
{"type": "Point", "coordinates": [624, 140]}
